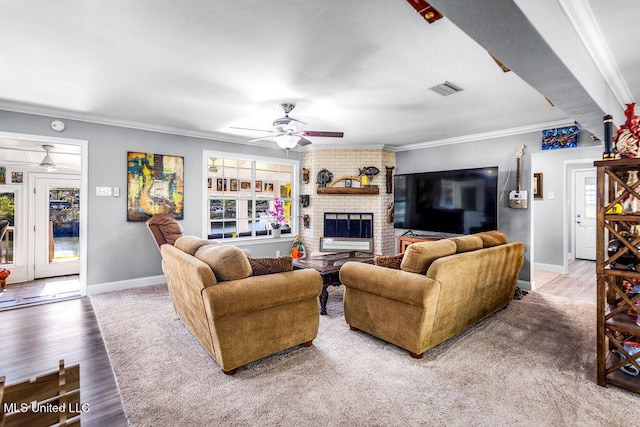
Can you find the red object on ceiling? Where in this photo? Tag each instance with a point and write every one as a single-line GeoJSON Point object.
{"type": "Point", "coordinates": [425, 10]}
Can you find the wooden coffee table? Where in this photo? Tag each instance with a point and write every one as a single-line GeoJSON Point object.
{"type": "Point", "coordinates": [329, 268]}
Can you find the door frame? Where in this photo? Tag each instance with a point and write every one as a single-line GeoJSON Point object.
{"type": "Point", "coordinates": [33, 178]}
{"type": "Point", "coordinates": [84, 197]}
{"type": "Point", "coordinates": [568, 212]}
{"type": "Point", "coordinates": [572, 215]}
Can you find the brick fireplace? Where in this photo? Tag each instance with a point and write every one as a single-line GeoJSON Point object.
{"type": "Point", "coordinates": [346, 163]}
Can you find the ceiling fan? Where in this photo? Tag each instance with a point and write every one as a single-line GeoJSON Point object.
{"type": "Point", "coordinates": [46, 163]}
{"type": "Point", "coordinates": [287, 133]}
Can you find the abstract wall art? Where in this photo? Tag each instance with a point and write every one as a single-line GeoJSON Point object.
{"type": "Point", "coordinates": [155, 185]}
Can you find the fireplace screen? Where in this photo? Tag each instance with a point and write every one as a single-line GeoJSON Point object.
{"type": "Point", "coordinates": [358, 225]}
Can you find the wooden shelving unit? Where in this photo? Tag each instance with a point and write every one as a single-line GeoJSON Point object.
{"type": "Point", "coordinates": [616, 309]}
{"type": "Point", "coordinates": [348, 190]}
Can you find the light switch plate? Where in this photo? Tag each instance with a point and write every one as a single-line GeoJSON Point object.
{"type": "Point", "coordinates": [116, 191]}
{"type": "Point", "coordinates": [103, 191]}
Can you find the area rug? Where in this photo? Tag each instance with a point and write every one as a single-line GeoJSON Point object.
{"type": "Point", "coordinates": [533, 363]}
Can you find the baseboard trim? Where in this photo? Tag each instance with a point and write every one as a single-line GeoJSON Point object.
{"type": "Point", "coordinates": [125, 284]}
{"type": "Point", "coordinates": [551, 267]}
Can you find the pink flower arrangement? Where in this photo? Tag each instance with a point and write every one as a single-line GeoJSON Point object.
{"type": "Point", "coordinates": [277, 213]}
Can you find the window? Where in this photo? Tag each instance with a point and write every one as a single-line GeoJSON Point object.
{"type": "Point", "coordinates": [240, 191]}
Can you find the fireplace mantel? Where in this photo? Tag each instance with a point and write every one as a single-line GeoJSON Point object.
{"type": "Point", "coordinates": [348, 190]}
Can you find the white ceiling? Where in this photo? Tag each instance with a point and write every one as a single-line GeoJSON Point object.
{"type": "Point", "coordinates": [199, 67]}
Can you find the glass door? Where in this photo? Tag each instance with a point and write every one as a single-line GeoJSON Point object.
{"type": "Point", "coordinates": [57, 231]}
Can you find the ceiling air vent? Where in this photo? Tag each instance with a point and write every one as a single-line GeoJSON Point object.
{"type": "Point", "coordinates": [446, 88]}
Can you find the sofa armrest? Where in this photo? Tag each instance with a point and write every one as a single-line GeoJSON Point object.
{"type": "Point", "coordinates": [410, 288]}
{"type": "Point", "coordinates": [259, 292]}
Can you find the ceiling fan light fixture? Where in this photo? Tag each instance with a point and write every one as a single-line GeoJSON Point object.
{"type": "Point", "coordinates": [287, 142]}
{"type": "Point", "coordinates": [47, 161]}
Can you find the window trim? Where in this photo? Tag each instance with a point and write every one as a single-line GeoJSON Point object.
{"type": "Point", "coordinates": [295, 189]}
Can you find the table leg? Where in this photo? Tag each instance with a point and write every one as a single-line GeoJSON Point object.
{"type": "Point", "coordinates": [324, 296]}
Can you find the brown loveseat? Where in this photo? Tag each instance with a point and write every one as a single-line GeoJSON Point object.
{"type": "Point", "coordinates": [441, 289]}
{"type": "Point", "coordinates": [237, 311]}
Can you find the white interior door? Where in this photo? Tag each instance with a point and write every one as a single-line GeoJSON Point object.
{"type": "Point", "coordinates": [57, 227]}
{"type": "Point", "coordinates": [585, 214]}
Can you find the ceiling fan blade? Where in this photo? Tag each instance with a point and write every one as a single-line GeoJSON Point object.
{"type": "Point", "coordinates": [303, 141]}
{"type": "Point", "coordinates": [322, 133]}
{"type": "Point", "coordinates": [257, 130]}
{"type": "Point", "coordinates": [296, 120]}
{"type": "Point", "coordinates": [266, 137]}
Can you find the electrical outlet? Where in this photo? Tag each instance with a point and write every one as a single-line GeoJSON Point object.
{"type": "Point", "coordinates": [277, 253]}
{"type": "Point", "coordinates": [552, 195]}
{"type": "Point", "coordinates": [116, 191]}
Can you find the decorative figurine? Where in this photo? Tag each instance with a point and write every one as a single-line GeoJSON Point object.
{"type": "Point", "coordinates": [4, 273]}
{"type": "Point", "coordinates": [628, 136]}
{"type": "Point", "coordinates": [368, 173]}
{"type": "Point", "coordinates": [297, 250]}
{"type": "Point", "coordinates": [305, 175]}
{"type": "Point", "coordinates": [324, 177]}
{"type": "Point", "coordinates": [389, 179]}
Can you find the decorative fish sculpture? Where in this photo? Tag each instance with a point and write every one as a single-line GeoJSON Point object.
{"type": "Point", "coordinates": [369, 171]}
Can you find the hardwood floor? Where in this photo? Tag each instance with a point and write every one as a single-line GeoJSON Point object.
{"type": "Point", "coordinates": [34, 338]}
{"type": "Point", "coordinates": [579, 284]}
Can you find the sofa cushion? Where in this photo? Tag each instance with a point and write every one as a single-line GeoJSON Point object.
{"type": "Point", "coordinates": [267, 265]}
{"type": "Point", "coordinates": [190, 244]}
{"type": "Point", "coordinates": [419, 256]}
{"type": "Point", "coordinates": [467, 243]}
{"type": "Point", "coordinates": [226, 262]}
{"type": "Point", "coordinates": [389, 261]}
{"type": "Point", "coordinates": [492, 238]}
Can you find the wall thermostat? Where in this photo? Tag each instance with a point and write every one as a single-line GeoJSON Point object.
{"type": "Point", "coordinates": [57, 125]}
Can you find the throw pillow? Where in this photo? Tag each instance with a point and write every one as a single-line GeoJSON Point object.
{"type": "Point", "coordinates": [226, 262]}
{"type": "Point", "coordinates": [419, 256]}
{"type": "Point", "coordinates": [190, 244]}
{"type": "Point", "coordinates": [467, 243]}
{"type": "Point", "coordinates": [492, 238]}
{"type": "Point", "coordinates": [267, 265]}
{"type": "Point", "coordinates": [389, 261]}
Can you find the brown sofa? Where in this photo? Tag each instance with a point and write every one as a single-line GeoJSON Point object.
{"type": "Point", "coordinates": [441, 288]}
{"type": "Point", "coordinates": [238, 311]}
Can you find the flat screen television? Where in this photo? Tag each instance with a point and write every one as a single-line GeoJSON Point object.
{"type": "Point", "coordinates": [462, 201]}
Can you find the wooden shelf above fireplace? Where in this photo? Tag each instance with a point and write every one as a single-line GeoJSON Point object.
{"type": "Point", "coordinates": [348, 190]}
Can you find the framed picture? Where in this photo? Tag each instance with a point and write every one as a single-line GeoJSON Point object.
{"type": "Point", "coordinates": [155, 185]}
{"type": "Point", "coordinates": [209, 182]}
{"type": "Point", "coordinates": [566, 137]}
{"type": "Point", "coordinates": [221, 184]}
{"type": "Point", "coordinates": [233, 185]}
{"type": "Point", "coordinates": [537, 185]}
{"type": "Point", "coordinates": [245, 185]}
{"type": "Point", "coordinates": [17, 177]}
{"type": "Point", "coordinates": [268, 186]}
{"type": "Point", "coordinates": [258, 186]}
{"type": "Point", "coordinates": [3, 177]}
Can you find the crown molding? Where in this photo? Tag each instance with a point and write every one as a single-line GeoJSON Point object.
{"type": "Point", "coordinates": [87, 118]}
{"type": "Point", "coordinates": [487, 135]}
{"type": "Point", "coordinates": [581, 16]}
